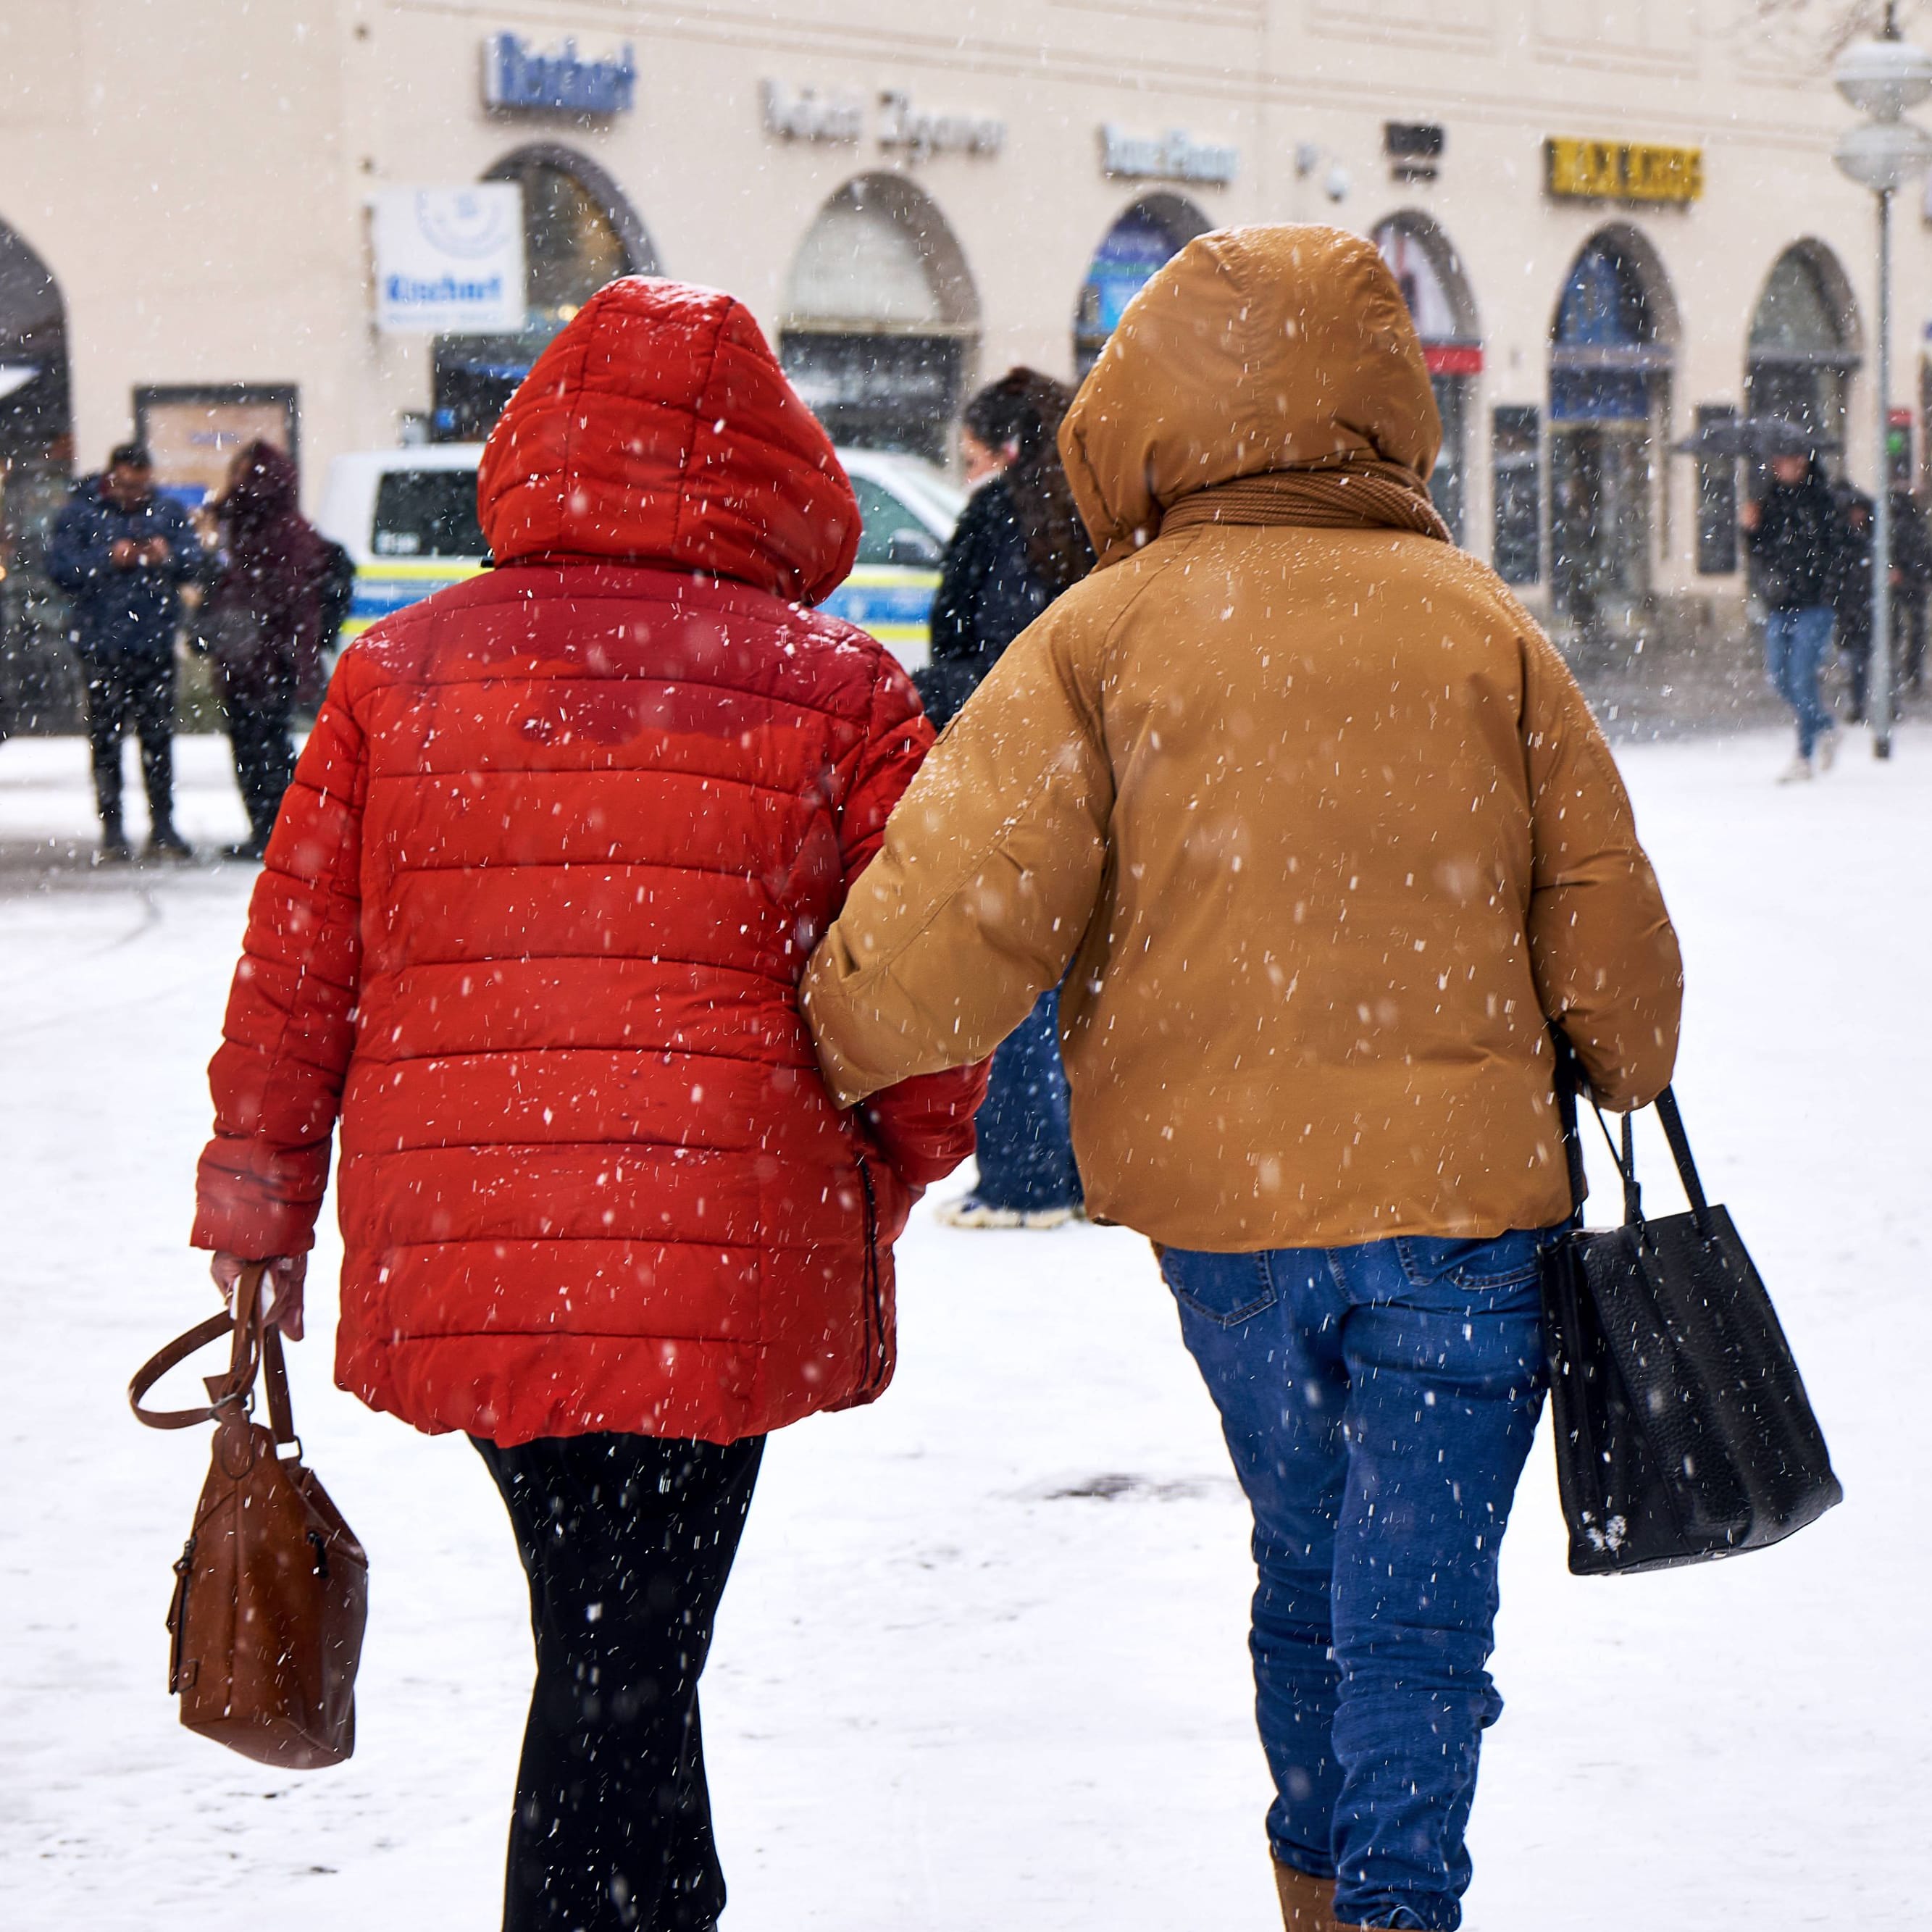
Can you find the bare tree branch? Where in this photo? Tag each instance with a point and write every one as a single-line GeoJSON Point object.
{"type": "Point", "coordinates": [1831, 25]}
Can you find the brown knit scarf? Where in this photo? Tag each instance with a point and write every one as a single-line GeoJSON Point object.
{"type": "Point", "coordinates": [1348, 492]}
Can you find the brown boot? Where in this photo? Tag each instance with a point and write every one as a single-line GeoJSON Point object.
{"type": "Point", "coordinates": [1307, 1904]}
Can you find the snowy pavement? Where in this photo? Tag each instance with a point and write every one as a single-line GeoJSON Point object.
{"type": "Point", "coordinates": [981, 1663]}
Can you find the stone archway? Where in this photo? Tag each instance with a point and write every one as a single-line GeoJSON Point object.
{"type": "Point", "coordinates": [38, 689]}
{"type": "Point", "coordinates": [1805, 344]}
{"type": "Point", "coordinates": [1143, 237]}
{"type": "Point", "coordinates": [1612, 354]}
{"type": "Point", "coordinates": [881, 321]}
{"type": "Point", "coordinates": [1443, 306]}
{"type": "Point", "coordinates": [579, 232]}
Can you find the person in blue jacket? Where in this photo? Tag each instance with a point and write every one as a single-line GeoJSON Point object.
{"type": "Point", "coordinates": [122, 552]}
{"type": "Point", "coordinates": [1019, 544]}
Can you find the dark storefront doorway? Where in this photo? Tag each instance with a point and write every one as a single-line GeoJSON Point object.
{"type": "Point", "coordinates": [1804, 345]}
{"type": "Point", "coordinates": [38, 687]}
{"type": "Point", "coordinates": [881, 319]}
{"type": "Point", "coordinates": [1609, 375]}
{"type": "Point", "coordinates": [1441, 303]}
{"type": "Point", "coordinates": [1155, 228]}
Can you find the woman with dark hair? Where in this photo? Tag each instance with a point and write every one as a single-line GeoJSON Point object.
{"type": "Point", "coordinates": [1020, 543]}
{"type": "Point", "coordinates": [262, 625]}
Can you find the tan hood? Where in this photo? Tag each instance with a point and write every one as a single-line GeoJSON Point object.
{"type": "Point", "coordinates": [1254, 350]}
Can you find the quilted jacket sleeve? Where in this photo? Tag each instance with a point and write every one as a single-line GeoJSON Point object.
{"type": "Point", "coordinates": [1605, 956]}
{"type": "Point", "coordinates": [276, 1079]}
{"type": "Point", "coordinates": [924, 1125]}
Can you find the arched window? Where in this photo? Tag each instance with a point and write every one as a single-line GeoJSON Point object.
{"type": "Point", "coordinates": [1429, 274]}
{"type": "Point", "coordinates": [881, 319]}
{"type": "Point", "coordinates": [579, 232]}
{"type": "Point", "coordinates": [1157, 226]}
{"type": "Point", "coordinates": [1609, 370]}
{"type": "Point", "coordinates": [1804, 344]}
{"type": "Point", "coordinates": [37, 688]}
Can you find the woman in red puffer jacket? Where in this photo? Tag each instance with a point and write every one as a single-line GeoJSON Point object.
{"type": "Point", "coordinates": [531, 924]}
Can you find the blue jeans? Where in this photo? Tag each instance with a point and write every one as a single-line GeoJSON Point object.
{"type": "Point", "coordinates": [1794, 645]}
{"type": "Point", "coordinates": [1378, 1402]}
{"type": "Point", "coordinates": [1026, 1145]}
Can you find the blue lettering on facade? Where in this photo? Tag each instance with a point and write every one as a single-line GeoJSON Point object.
{"type": "Point", "coordinates": [443, 291]}
{"type": "Point", "coordinates": [517, 77]}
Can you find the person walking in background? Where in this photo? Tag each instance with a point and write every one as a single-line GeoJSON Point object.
{"type": "Point", "coordinates": [1331, 841]}
{"type": "Point", "coordinates": [262, 624]}
{"type": "Point", "coordinates": [122, 552]}
{"type": "Point", "coordinates": [1911, 583]}
{"type": "Point", "coordinates": [532, 925]}
{"type": "Point", "coordinates": [1849, 590]}
{"type": "Point", "coordinates": [1019, 544]}
{"type": "Point", "coordinates": [1792, 533]}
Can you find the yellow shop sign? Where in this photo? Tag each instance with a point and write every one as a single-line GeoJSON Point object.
{"type": "Point", "coordinates": [1623, 170]}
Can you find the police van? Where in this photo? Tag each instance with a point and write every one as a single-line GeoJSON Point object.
{"type": "Point", "coordinates": [408, 518]}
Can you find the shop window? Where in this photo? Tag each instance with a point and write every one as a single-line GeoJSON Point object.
{"type": "Point", "coordinates": [579, 233]}
{"type": "Point", "coordinates": [1610, 364]}
{"type": "Point", "coordinates": [1430, 276]}
{"type": "Point", "coordinates": [1804, 347]}
{"type": "Point", "coordinates": [1716, 500]}
{"type": "Point", "coordinates": [39, 687]}
{"type": "Point", "coordinates": [1516, 492]}
{"type": "Point", "coordinates": [1132, 251]}
{"type": "Point", "coordinates": [881, 319]}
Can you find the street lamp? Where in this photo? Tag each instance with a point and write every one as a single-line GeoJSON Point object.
{"type": "Point", "coordinates": [1883, 79]}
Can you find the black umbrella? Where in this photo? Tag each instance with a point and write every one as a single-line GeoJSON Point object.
{"type": "Point", "coordinates": [1761, 436]}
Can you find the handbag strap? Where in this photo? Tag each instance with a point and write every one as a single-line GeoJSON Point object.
{"type": "Point", "coordinates": [251, 1341]}
{"type": "Point", "coordinates": [1673, 1123]}
{"type": "Point", "coordinates": [1569, 1075]}
{"type": "Point", "coordinates": [1569, 1082]}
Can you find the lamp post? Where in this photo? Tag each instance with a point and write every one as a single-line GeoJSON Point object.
{"type": "Point", "coordinates": [1882, 78]}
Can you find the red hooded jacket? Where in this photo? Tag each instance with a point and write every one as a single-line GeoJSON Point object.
{"type": "Point", "coordinates": [533, 917]}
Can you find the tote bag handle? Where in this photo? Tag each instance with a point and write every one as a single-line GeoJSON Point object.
{"type": "Point", "coordinates": [1570, 1081]}
{"type": "Point", "coordinates": [255, 1345]}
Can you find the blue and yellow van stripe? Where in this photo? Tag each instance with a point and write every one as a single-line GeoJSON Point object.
{"type": "Point", "coordinates": [894, 604]}
{"type": "Point", "coordinates": [395, 584]}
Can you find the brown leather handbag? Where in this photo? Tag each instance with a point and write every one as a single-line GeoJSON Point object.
{"type": "Point", "coordinates": [271, 1590]}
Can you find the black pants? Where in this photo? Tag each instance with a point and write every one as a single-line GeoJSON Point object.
{"type": "Point", "coordinates": [1908, 616]}
{"type": "Point", "coordinates": [138, 693]}
{"type": "Point", "coordinates": [264, 757]}
{"type": "Point", "coordinates": [627, 1541]}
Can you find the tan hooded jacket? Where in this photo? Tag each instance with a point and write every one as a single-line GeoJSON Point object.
{"type": "Point", "coordinates": [1317, 814]}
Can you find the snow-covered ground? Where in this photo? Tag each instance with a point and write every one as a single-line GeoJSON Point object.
{"type": "Point", "coordinates": [954, 1686]}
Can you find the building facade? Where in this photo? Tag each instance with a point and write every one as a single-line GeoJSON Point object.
{"type": "Point", "coordinates": [1616, 221]}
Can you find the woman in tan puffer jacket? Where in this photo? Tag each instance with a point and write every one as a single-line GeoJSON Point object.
{"type": "Point", "coordinates": [1331, 841]}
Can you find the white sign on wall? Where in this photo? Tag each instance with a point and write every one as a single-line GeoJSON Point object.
{"type": "Point", "coordinates": [449, 261]}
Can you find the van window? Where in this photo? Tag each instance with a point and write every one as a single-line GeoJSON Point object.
{"type": "Point", "coordinates": [428, 513]}
{"type": "Point", "coordinates": [880, 514]}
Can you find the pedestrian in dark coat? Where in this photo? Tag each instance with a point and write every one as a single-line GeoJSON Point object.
{"type": "Point", "coordinates": [1792, 531]}
{"type": "Point", "coordinates": [122, 552]}
{"type": "Point", "coordinates": [263, 625]}
{"type": "Point", "coordinates": [1849, 590]}
{"type": "Point", "coordinates": [1020, 542]}
{"type": "Point", "coordinates": [1911, 582]}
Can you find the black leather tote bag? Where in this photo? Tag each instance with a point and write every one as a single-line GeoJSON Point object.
{"type": "Point", "coordinates": [1682, 1430]}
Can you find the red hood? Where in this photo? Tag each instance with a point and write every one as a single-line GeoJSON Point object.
{"type": "Point", "coordinates": [658, 428]}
